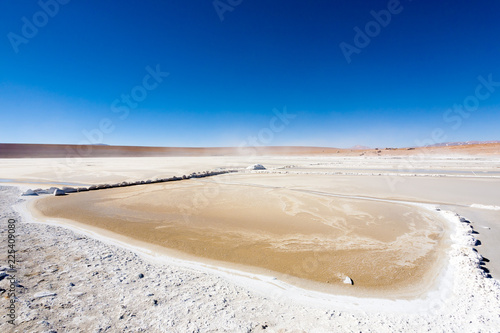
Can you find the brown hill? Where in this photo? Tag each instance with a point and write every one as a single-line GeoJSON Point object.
{"type": "Point", "coordinates": [10, 150]}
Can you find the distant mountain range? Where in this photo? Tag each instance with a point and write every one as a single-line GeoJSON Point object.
{"type": "Point", "coordinates": [359, 147]}
{"type": "Point", "coordinates": [462, 143]}
{"type": "Point", "coordinates": [443, 144]}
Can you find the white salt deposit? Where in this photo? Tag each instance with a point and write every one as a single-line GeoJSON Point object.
{"type": "Point", "coordinates": [348, 280]}
{"type": "Point", "coordinates": [97, 286]}
{"type": "Point", "coordinates": [490, 207]}
{"type": "Point", "coordinates": [256, 167]}
{"type": "Point", "coordinates": [189, 295]}
{"type": "Point", "coordinates": [30, 192]}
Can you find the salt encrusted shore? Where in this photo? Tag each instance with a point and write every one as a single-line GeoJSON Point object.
{"type": "Point", "coordinates": [67, 190]}
{"type": "Point", "coordinates": [71, 282]}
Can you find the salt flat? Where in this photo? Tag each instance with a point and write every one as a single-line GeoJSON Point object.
{"type": "Point", "coordinates": [387, 211]}
{"type": "Point", "coordinates": [233, 220]}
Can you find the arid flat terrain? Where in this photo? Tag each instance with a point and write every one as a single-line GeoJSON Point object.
{"type": "Point", "coordinates": [414, 232]}
{"type": "Point", "coordinates": [14, 150]}
{"type": "Point", "coordinates": [289, 232]}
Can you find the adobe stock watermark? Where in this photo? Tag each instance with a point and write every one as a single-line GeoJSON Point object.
{"type": "Point", "coordinates": [121, 106]}
{"type": "Point", "coordinates": [459, 112]}
{"type": "Point", "coordinates": [372, 29]}
{"type": "Point", "coordinates": [139, 93]}
{"type": "Point", "coordinates": [276, 124]}
{"type": "Point", "coordinates": [203, 196]}
{"type": "Point", "coordinates": [454, 117]}
{"type": "Point", "coordinates": [124, 104]}
{"type": "Point", "coordinates": [223, 6]}
{"type": "Point", "coordinates": [48, 9]}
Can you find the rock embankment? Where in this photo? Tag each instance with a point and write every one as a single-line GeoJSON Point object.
{"type": "Point", "coordinates": [66, 190]}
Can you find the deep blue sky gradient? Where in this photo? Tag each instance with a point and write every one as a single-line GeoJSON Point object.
{"type": "Point", "coordinates": [226, 77]}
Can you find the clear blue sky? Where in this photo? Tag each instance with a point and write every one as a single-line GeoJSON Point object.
{"type": "Point", "coordinates": [226, 76]}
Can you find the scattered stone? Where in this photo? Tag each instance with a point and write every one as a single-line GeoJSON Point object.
{"type": "Point", "coordinates": [69, 189]}
{"type": "Point", "coordinates": [348, 280]}
{"type": "Point", "coordinates": [30, 192]}
{"type": "Point", "coordinates": [58, 192]}
{"type": "Point", "coordinates": [141, 276]}
{"type": "Point", "coordinates": [256, 167]}
{"type": "Point", "coordinates": [44, 294]}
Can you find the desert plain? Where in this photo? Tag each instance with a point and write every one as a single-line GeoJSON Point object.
{"type": "Point", "coordinates": [318, 240]}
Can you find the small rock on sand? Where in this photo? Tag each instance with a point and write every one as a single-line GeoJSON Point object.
{"type": "Point", "coordinates": [69, 189]}
{"type": "Point", "coordinates": [348, 280]}
{"type": "Point", "coordinates": [256, 167]}
{"type": "Point", "coordinates": [30, 192]}
{"type": "Point", "coordinates": [44, 294]}
{"type": "Point", "coordinates": [59, 192]}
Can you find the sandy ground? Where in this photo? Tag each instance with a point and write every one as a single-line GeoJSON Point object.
{"type": "Point", "coordinates": [74, 152]}
{"type": "Point", "coordinates": [85, 171]}
{"type": "Point", "coordinates": [277, 229]}
{"type": "Point", "coordinates": [70, 281]}
{"type": "Point", "coordinates": [97, 285]}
